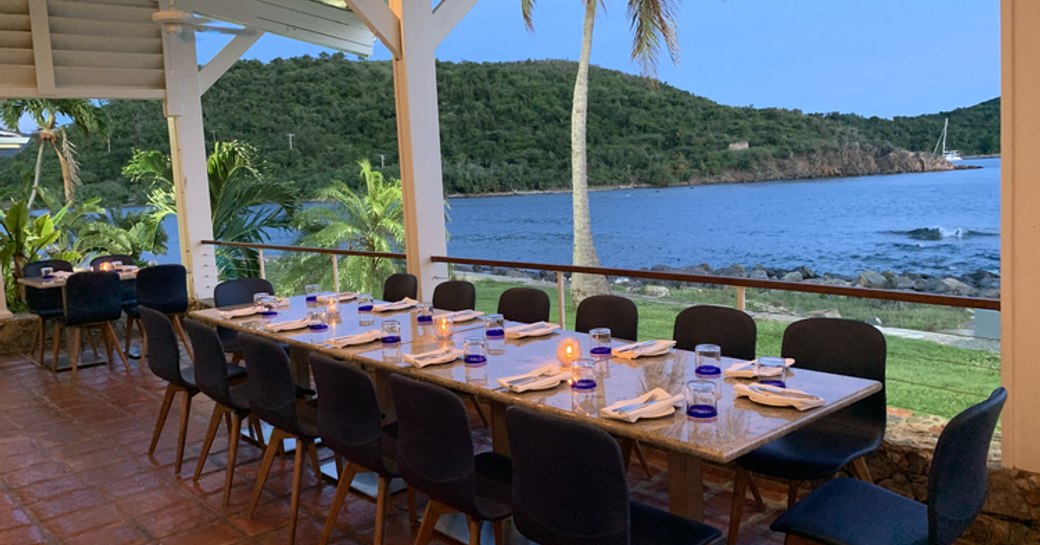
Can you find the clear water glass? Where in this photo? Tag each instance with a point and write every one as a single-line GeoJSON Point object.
{"type": "Point", "coordinates": [269, 303]}
{"type": "Point", "coordinates": [709, 360]}
{"type": "Point", "coordinates": [495, 331]}
{"type": "Point", "coordinates": [364, 307]}
{"type": "Point", "coordinates": [476, 374]}
{"type": "Point", "coordinates": [425, 313]}
{"type": "Point", "coordinates": [47, 273]}
{"type": "Point", "coordinates": [117, 266]}
{"type": "Point", "coordinates": [312, 291]}
{"type": "Point", "coordinates": [474, 351]}
{"type": "Point", "coordinates": [317, 318]}
{"type": "Point", "coordinates": [258, 298]}
{"type": "Point", "coordinates": [583, 374]}
{"type": "Point", "coordinates": [771, 371]}
{"type": "Point", "coordinates": [391, 340]}
{"type": "Point", "coordinates": [702, 399]}
{"type": "Point", "coordinates": [600, 342]}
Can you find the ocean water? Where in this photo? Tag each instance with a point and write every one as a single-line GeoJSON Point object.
{"type": "Point", "coordinates": [936, 223]}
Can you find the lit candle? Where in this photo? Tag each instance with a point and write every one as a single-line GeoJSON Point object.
{"type": "Point", "coordinates": [332, 307]}
{"type": "Point", "coordinates": [444, 327]}
{"type": "Point", "coordinates": [106, 266]}
{"type": "Point", "coordinates": [568, 350]}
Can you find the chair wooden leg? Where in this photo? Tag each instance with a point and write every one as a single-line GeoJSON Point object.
{"type": "Point", "coordinates": [111, 335]}
{"type": "Point", "coordinates": [93, 342]}
{"type": "Point", "coordinates": [860, 469]}
{"type": "Point", "coordinates": [413, 521]}
{"type": "Point", "coordinates": [434, 510]}
{"type": "Point", "coordinates": [108, 347]}
{"type": "Point", "coordinates": [642, 460]}
{"type": "Point", "coordinates": [167, 401]}
{"type": "Point", "coordinates": [265, 468]}
{"type": "Point", "coordinates": [496, 527]}
{"type": "Point", "coordinates": [77, 348]}
{"type": "Point", "coordinates": [792, 494]}
{"type": "Point", "coordinates": [38, 338]}
{"type": "Point", "coordinates": [129, 333]}
{"type": "Point", "coordinates": [179, 328]}
{"type": "Point", "coordinates": [207, 443]}
{"type": "Point", "coordinates": [182, 432]}
{"type": "Point", "coordinates": [755, 493]}
{"type": "Point", "coordinates": [316, 465]}
{"type": "Point", "coordinates": [57, 346]}
{"type": "Point", "coordinates": [346, 476]}
{"type": "Point", "coordinates": [741, 477]}
{"type": "Point", "coordinates": [236, 358]}
{"type": "Point", "coordinates": [232, 456]}
{"type": "Point", "coordinates": [479, 409]}
{"type": "Point", "coordinates": [382, 497]}
{"type": "Point", "coordinates": [297, 479]}
{"type": "Point", "coordinates": [474, 530]}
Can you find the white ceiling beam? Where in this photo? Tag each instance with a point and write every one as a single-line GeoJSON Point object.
{"type": "Point", "coordinates": [219, 64]}
{"type": "Point", "coordinates": [447, 14]}
{"type": "Point", "coordinates": [381, 21]}
{"type": "Point", "coordinates": [39, 21]}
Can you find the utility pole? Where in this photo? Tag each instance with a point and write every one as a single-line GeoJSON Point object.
{"type": "Point", "coordinates": [290, 135]}
{"type": "Point", "coordinates": [382, 161]}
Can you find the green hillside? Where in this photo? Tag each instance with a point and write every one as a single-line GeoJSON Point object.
{"type": "Point", "coordinates": [504, 127]}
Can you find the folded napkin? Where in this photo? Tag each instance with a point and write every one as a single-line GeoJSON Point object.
{"type": "Point", "coordinates": [403, 304]}
{"type": "Point", "coordinates": [645, 348]}
{"type": "Point", "coordinates": [62, 274]}
{"type": "Point", "coordinates": [746, 369]}
{"type": "Point", "coordinates": [341, 296]}
{"type": "Point", "coordinates": [536, 329]}
{"type": "Point", "coordinates": [546, 376]}
{"type": "Point", "coordinates": [288, 326]}
{"type": "Point", "coordinates": [653, 404]}
{"type": "Point", "coordinates": [364, 337]}
{"type": "Point", "coordinates": [461, 316]}
{"type": "Point", "coordinates": [433, 357]}
{"type": "Point", "coordinates": [778, 397]}
{"type": "Point", "coordinates": [240, 312]}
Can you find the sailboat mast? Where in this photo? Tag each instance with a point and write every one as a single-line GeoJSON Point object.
{"type": "Point", "coordinates": [942, 139]}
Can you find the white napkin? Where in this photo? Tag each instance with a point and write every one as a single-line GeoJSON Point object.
{"type": "Point", "coordinates": [62, 274]}
{"type": "Point", "coordinates": [766, 394]}
{"type": "Point", "coordinates": [288, 326]}
{"type": "Point", "coordinates": [403, 304]}
{"type": "Point", "coordinates": [646, 348]}
{"type": "Point", "coordinates": [364, 337]}
{"type": "Point", "coordinates": [548, 376]}
{"type": "Point", "coordinates": [433, 357]}
{"type": "Point", "coordinates": [341, 296]}
{"type": "Point", "coordinates": [746, 369]}
{"type": "Point", "coordinates": [240, 312]}
{"type": "Point", "coordinates": [536, 329]}
{"type": "Point", "coordinates": [661, 403]}
{"type": "Point", "coordinates": [461, 316]}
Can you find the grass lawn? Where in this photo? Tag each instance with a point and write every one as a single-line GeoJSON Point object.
{"type": "Point", "coordinates": [923, 376]}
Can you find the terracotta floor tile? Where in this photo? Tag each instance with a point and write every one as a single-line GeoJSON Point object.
{"type": "Point", "coordinates": [123, 534]}
{"type": "Point", "coordinates": [77, 522]}
{"type": "Point", "coordinates": [24, 535]}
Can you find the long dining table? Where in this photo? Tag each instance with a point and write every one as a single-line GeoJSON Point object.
{"type": "Point", "coordinates": [741, 425]}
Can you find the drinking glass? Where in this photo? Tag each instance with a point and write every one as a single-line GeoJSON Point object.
{"type": "Point", "coordinates": [771, 371]}
{"type": "Point", "coordinates": [364, 308]}
{"type": "Point", "coordinates": [117, 266]}
{"type": "Point", "coordinates": [495, 331]}
{"type": "Point", "coordinates": [425, 313]}
{"type": "Point", "coordinates": [391, 340]}
{"type": "Point", "coordinates": [476, 374]}
{"type": "Point", "coordinates": [269, 302]}
{"type": "Point", "coordinates": [47, 273]}
{"type": "Point", "coordinates": [317, 318]}
{"type": "Point", "coordinates": [312, 292]}
{"type": "Point", "coordinates": [258, 298]}
{"type": "Point", "coordinates": [583, 374]}
{"type": "Point", "coordinates": [709, 360]}
{"type": "Point", "coordinates": [702, 399]}
{"type": "Point", "coordinates": [600, 342]}
{"type": "Point", "coordinates": [474, 351]}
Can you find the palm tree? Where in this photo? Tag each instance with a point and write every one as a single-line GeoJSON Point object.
{"type": "Point", "coordinates": [369, 218]}
{"type": "Point", "coordinates": [246, 205]}
{"type": "Point", "coordinates": [46, 114]}
{"type": "Point", "coordinates": [652, 22]}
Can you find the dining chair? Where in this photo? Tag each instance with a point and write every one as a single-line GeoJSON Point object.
{"type": "Point", "coordinates": [350, 423]}
{"type": "Point", "coordinates": [164, 288]}
{"type": "Point", "coordinates": [821, 449]}
{"type": "Point", "coordinates": [213, 377]}
{"type": "Point", "coordinates": [731, 329]}
{"type": "Point", "coordinates": [526, 305]}
{"type": "Point", "coordinates": [272, 398]}
{"type": "Point", "coordinates": [239, 291]}
{"type": "Point", "coordinates": [852, 512]}
{"type": "Point", "coordinates": [400, 285]}
{"type": "Point", "coordinates": [46, 304]}
{"type": "Point", "coordinates": [435, 456]}
{"type": "Point", "coordinates": [128, 290]}
{"type": "Point", "coordinates": [92, 301]}
{"type": "Point", "coordinates": [569, 488]}
{"type": "Point", "coordinates": [455, 295]}
{"type": "Point", "coordinates": [617, 313]}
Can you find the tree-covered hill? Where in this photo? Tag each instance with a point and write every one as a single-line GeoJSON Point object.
{"type": "Point", "coordinates": [504, 127]}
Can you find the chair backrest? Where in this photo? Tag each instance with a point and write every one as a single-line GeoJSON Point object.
{"type": "Point", "coordinates": [163, 288]}
{"type": "Point", "coordinates": [844, 347]}
{"type": "Point", "coordinates": [270, 387]}
{"type": "Point", "coordinates": [45, 300]}
{"type": "Point", "coordinates": [957, 478]}
{"type": "Point", "coordinates": [434, 445]}
{"type": "Point", "coordinates": [527, 305]}
{"type": "Point", "coordinates": [211, 372]}
{"type": "Point", "coordinates": [568, 481]}
{"type": "Point", "coordinates": [455, 295]}
{"type": "Point", "coordinates": [400, 285]}
{"type": "Point", "coordinates": [617, 313]}
{"type": "Point", "coordinates": [122, 258]}
{"type": "Point", "coordinates": [238, 292]}
{"type": "Point", "coordinates": [349, 419]}
{"type": "Point", "coordinates": [731, 329]}
{"type": "Point", "coordinates": [164, 354]}
{"type": "Point", "coordinates": [92, 297]}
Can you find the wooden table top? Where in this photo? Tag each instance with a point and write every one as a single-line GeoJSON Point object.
{"type": "Point", "coordinates": [59, 280]}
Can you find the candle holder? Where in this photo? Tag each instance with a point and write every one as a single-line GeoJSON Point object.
{"type": "Point", "coordinates": [106, 267]}
{"type": "Point", "coordinates": [568, 350]}
{"type": "Point", "coordinates": [332, 307]}
{"type": "Point", "coordinates": [444, 327]}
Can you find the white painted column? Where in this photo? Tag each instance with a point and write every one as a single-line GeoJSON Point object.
{"type": "Point", "coordinates": [183, 108]}
{"type": "Point", "coordinates": [4, 313]}
{"type": "Point", "coordinates": [1020, 232]}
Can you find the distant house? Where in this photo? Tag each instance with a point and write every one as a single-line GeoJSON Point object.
{"type": "Point", "coordinates": [11, 143]}
{"type": "Point", "coordinates": [737, 146]}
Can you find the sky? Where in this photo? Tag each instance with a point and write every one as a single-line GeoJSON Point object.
{"type": "Point", "coordinates": [878, 57]}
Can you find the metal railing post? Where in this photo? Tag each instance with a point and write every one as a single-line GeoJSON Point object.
{"type": "Point", "coordinates": [335, 272]}
{"type": "Point", "coordinates": [260, 258]}
{"type": "Point", "coordinates": [741, 298]}
{"type": "Point", "coordinates": [560, 301]}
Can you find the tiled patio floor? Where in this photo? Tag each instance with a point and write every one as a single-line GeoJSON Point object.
{"type": "Point", "coordinates": [74, 469]}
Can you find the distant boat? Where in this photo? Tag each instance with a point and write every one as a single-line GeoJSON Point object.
{"type": "Point", "coordinates": [949, 155]}
{"type": "Point", "coordinates": [11, 143]}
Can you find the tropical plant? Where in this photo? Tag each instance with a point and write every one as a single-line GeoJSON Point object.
{"type": "Point", "coordinates": [246, 205]}
{"type": "Point", "coordinates": [652, 22]}
{"type": "Point", "coordinates": [369, 218]}
{"type": "Point", "coordinates": [46, 113]}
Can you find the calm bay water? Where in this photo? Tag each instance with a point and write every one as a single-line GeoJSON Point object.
{"type": "Point", "coordinates": [935, 223]}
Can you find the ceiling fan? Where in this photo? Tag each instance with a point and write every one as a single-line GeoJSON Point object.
{"type": "Point", "coordinates": [174, 19]}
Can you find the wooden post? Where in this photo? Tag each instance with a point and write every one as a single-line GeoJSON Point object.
{"type": "Point", "coordinates": [561, 300]}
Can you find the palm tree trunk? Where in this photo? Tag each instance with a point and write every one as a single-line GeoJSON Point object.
{"type": "Point", "coordinates": [583, 285]}
{"type": "Point", "coordinates": [37, 173]}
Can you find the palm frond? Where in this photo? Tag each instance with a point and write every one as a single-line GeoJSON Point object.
{"type": "Point", "coordinates": [653, 22]}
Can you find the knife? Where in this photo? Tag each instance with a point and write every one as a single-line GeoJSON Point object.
{"type": "Point", "coordinates": [636, 406]}
{"type": "Point", "coordinates": [635, 346]}
{"type": "Point", "coordinates": [781, 391]}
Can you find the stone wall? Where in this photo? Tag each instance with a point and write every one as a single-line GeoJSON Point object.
{"type": "Point", "coordinates": [16, 334]}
